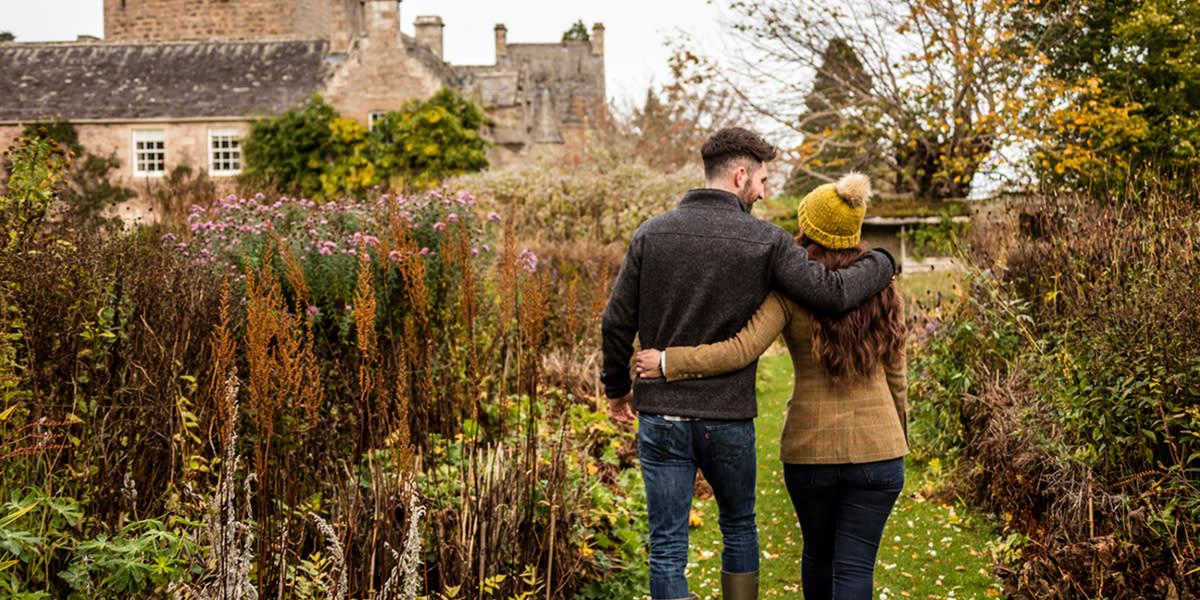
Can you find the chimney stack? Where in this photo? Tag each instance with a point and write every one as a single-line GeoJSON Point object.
{"type": "Point", "coordinates": [383, 19]}
{"type": "Point", "coordinates": [501, 42]}
{"type": "Point", "coordinates": [598, 39]}
{"type": "Point", "coordinates": [428, 31]}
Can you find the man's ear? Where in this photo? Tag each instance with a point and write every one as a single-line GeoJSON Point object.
{"type": "Point", "coordinates": [740, 175]}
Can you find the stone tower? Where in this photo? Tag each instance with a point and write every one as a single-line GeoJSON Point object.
{"type": "Point", "coordinates": [147, 20]}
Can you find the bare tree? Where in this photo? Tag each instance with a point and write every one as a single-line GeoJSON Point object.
{"type": "Point", "coordinates": [922, 91]}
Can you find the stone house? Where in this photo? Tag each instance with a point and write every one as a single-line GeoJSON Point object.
{"type": "Point", "coordinates": [178, 82]}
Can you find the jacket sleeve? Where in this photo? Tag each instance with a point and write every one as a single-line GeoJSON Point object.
{"type": "Point", "coordinates": [688, 362]}
{"type": "Point", "coordinates": [618, 327]}
{"type": "Point", "coordinates": [896, 369]}
{"type": "Point", "coordinates": [811, 285]}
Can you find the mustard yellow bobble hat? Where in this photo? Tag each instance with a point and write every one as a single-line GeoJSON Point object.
{"type": "Point", "coordinates": [832, 214]}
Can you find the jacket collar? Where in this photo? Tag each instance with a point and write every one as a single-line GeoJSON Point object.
{"type": "Point", "coordinates": [712, 198]}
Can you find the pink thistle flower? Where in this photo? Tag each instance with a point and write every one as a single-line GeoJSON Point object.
{"type": "Point", "coordinates": [439, 226]}
{"type": "Point", "coordinates": [452, 217]}
{"type": "Point", "coordinates": [493, 216]}
{"type": "Point", "coordinates": [528, 261]}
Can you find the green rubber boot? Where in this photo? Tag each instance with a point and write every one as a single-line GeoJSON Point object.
{"type": "Point", "coordinates": [739, 586]}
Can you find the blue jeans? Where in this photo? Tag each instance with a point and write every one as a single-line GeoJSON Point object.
{"type": "Point", "coordinates": [670, 452]}
{"type": "Point", "coordinates": [842, 510]}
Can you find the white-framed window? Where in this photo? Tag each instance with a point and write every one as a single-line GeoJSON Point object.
{"type": "Point", "coordinates": [224, 151]}
{"type": "Point", "coordinates": [373, 118]}
{"type": "Point", "coordinates": [149, 152]}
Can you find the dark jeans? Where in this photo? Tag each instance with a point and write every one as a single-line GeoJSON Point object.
{"type": "Point", "coordinates": [670, 452]}
{"type": "Point", "coordinates": [842, 510]}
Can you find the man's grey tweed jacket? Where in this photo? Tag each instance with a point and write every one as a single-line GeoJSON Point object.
{"type": "Point", "coordinates": [695, 275]}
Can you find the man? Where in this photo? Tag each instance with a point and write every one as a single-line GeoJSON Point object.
{"type": "Point", "coordinates": [695, 275]}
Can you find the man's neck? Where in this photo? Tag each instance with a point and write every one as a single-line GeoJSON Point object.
{"type": "Point", "coordinates": [715, 186]}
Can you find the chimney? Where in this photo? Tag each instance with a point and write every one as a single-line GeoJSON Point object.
{"type": "Point", "coordinates": [501, 42]}
{"type": "Point", "coordinates": [429, 32]}
{"type": "Point", "coordinates": [383, 19]}
{"type": "Point", "coordinates": [598, 39]}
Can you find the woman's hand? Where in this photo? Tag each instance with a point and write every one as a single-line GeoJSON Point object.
{"type": "Point", "coordinates": [647, 364]}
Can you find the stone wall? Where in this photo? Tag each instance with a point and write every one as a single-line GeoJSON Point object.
{"type": "Point", "coordinates": [335, 20]}
{"type": "Point", "coordinates": [571, 71]}
{"type": "Point", "coordinates": [186, 143]}
{"type": "Point", "coordinates": [188, 19]}
{"type": "Point", "coordinates": [384, 69]}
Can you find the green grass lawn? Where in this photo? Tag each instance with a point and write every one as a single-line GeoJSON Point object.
{"type": "Point", "coordinates": [929, 549]}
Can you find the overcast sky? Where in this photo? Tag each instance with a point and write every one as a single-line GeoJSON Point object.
{"type": "Point", "coordinates": [635, 30]}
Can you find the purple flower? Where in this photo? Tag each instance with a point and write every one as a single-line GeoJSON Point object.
{"type": "Point", "coordinates": [528, 261]}
{"type": "Point", "coordinates": [493, 216]}
{"type": "Point", "coordinates": [439, 226]}
{"type": "Point", "coordinates": [311, 311]}
{"type": "Point", "coordinates": [452, 217]}
{"type": "Point", "coordinates": [424, 251]}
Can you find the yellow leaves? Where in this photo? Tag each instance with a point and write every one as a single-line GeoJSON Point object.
{"type": "Point", "coordinates": [347, 130]}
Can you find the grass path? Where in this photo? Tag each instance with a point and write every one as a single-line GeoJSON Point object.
{"type": "Point", "coordinates": [929, 550]}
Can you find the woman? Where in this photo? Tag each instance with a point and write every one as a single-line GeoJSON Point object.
{"type": "Point", "coordinates": [845, 434]}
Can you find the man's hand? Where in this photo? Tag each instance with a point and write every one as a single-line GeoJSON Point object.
{"type": "Point", "coordinates": [647, 364]}
{"type": "Point", "coordinates": [621, 409]}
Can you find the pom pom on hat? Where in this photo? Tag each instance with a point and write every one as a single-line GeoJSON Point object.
{"type": "Point", "coordinates": [854, 188]}
{"type": "Point", "coordinates": [832, 214]}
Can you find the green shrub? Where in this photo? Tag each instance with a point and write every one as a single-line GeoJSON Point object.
{"type": "Point", "coordinates": [312, 152]}
{"type": "Point", "coordinates": [291, 151]}
{"type": "Point", "coordinates": [984, 330]}
{"type": "Point", "coordinates": [1067, 384]}
{"type": "Point", "coordinates": [88, 188]}
{"type": "Point", "coordinates": [37, 167]}
{"type": "Point", "coordinates": [428, 141]}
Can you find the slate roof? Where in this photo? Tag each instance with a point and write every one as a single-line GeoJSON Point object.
{"type": "Point", "coordinates": [449, 75]}
{"type": "Point", "coordinates": [142, 80]}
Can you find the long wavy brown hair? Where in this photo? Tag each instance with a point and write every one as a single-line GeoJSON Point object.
{"type": "Point", "coordinates": [850, 344]}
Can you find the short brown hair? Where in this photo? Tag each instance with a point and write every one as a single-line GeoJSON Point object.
{"type": "Point", "coordinates": [730, 144]}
